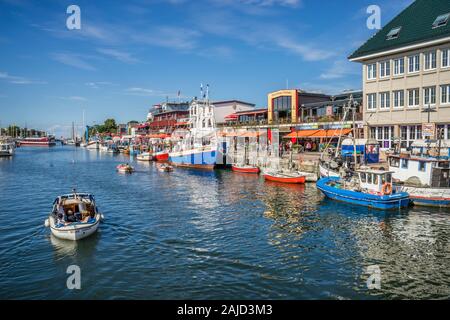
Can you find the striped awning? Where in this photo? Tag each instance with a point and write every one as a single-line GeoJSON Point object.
{"type": "Point", "coordinates": [319, 133]}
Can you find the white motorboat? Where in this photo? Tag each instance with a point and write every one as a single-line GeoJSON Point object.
{"type": "Point", "coordinates": [7, 147]}
{"type": "Point", "coordinates": [74, 216]}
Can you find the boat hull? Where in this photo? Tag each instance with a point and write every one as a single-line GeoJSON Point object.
{"type": "Point", "coordinates": [75, 231]}
{"type": "Point", "coordinates": [291, 180]}
{"type": "Point", "coordinates": [245, 169]}
{"type": "Point", "coordinates": [144, 157]}
{"type": "Point", "coordinates": [387, 202]}
{"type": "Point", "coordinates": [162, 156]}
{"type": "Point", "coordinates": [327, 172]}
{"type": "Point", "coordinates": [205, 160]}
{"type": "Point", "coordinates": [429, 197]}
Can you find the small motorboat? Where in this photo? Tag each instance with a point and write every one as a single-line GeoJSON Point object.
{"type": "Point", "coordinates": [125, 168]}
{"type": "Point", "coordinates": [164, 167]}
{"type": "Point", "coordinates": [162, 156]}
{"type": "Point", "coordinates": [288, 177]}
{"type": "Point", "coordinates": [370, 188]}
{"type": "Point", "coordinates": [245, 168]}
{"type": "Point", "coordinates": [74, 216]}
{"type": "Point", "coordinates": [146, 156]}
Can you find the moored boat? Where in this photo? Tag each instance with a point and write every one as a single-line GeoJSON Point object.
{"type": "Point", "coordinates": [7, 147]}
{"type": "Point", "coordinates": [146, 156]}
{"type": "Point", "coordinates": [291, 177]}
{"type": "Point", "coordinates": [93, 145]}
{"type": "Point", "coordinates": [38, 142]}
{"type": "Point", "coordinates": [245, 169]}
{"type": "Point", "coordinates": [426, 178]}
{"type": "Point", "coordinates": [198, 149]}
{"type": "Point", "coordinates": [74, 216]}
{"type": "Point", "coordinates": [161, 156]}
{"type": "Point", "coordinates": [370, 188]}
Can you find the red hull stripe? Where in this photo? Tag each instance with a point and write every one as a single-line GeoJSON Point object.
{"type": "Point", "coordinates": [285, 180]}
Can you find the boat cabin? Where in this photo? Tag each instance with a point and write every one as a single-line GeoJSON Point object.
{"type": "Point", "coordinates": [74, 208]}
{"type": "Point", "coordinates": [375, 181]}
{"type": "Point", "coordinates": [428, 171]}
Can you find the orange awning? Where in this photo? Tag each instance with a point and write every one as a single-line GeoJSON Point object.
{"type": "Point", "coordinates": [158, 136]}
{"type": "Point", "coordinates": [301, 134]}
{"type": "Point", "coordinates": [319, 133]}
{"type": "Point", "coordinates": [250, 134]}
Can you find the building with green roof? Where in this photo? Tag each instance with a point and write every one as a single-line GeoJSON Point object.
{"type": "Point", "coordinates": [406, 75]}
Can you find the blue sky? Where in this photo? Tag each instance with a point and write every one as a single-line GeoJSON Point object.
{"type": "Point", "coordinates": [130, 55]}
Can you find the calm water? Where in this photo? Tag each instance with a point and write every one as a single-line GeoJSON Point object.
{"type": "Point", "coordinates": [207, 235]}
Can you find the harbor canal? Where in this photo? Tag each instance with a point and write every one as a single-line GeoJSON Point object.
{"type": "Point", "coordinates": [208, 235]}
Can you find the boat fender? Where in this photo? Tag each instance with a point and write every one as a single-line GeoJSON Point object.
{"type": "Point", "coordinates": [102, 217]}
{"type": "Point", "coordinates": [46, 223]}
{"type": "Point", "coordinates": [387, 189]}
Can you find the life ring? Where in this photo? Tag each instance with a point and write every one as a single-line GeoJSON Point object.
{"type": "Point", "coordinates": [387, 189]}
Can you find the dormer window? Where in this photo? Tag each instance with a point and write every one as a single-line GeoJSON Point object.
{"type": "Point", "coordinates": [441, 20]}
{"type": "Point", "coordinates": [394, 33]}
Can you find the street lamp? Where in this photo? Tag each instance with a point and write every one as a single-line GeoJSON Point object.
{"type": "Point", "coordinates": [428, 110]}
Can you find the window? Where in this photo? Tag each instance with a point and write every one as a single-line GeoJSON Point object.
{"type": "Point", "coordinates": [369, 178]}
{"type": "Point", "coordinates": [393, 162]}
{"type": "Point", "coordinates": [445, 58]}
{"type": "Point", "coordinates": [404, 163]}
{"type": "Point", "coordinates": [394, 33]}
{"type": "Point", "coordinates": [413, 97]}
{"type": "Point", "coordinates": [441, 20]}
{"type": "Point", "coordinates": [399, 99]}
{"type": "Point", "coordinates": [399, 66]}
{"type": "Point", "coordinates": [371, 71]}
{"type": "Point", "coordinates": [430, 60]}
{"type": "Point", "coordinates": [422, 166]}
{"type": "Point", "coordinates": [363, 177]}
{"type": "Point", "coordinates": [385, 102]}
{"type": "Point", "coordinates": [414, 63]}
{"type": "Point", "coordinates": [409, 134]}
{"type": "Point", "coordinates": [429, 96]}
{"type": "Point", "coordinates": [385, 69]}
{"type": "Point", "coordinates": [371, 101]}
{"type": "Point", "coordinates": [445, 94]}
{"type": "Point", "coordinates": [383, 135]}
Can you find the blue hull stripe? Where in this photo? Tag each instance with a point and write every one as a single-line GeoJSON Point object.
{"type": "Point", "coordinates": [199, 158]}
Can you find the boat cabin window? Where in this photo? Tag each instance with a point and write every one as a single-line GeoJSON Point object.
{"type": "Point", "coordinates": [386, 178]}
{"type": "Point", "coordinates": [363, 177]}
{"type": "Point", "coordinates": [375, 178]}
{"type": "Point", "coordinates": [369, 178]}
{"type": "Point", "coordinates": [405, 163]}
{"type": "Point", "coordinates": [422, 166]}
{"type": "Point", "coordinates": [394, 162]}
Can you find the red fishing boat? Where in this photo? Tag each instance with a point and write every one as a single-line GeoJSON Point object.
{"type": "Point", "coordinates": [162, 156]}
{"type": "Point", "coordinates": [293, 178]}
{"type": "Point", "coordinates": [38, 142]}
{"type": "Point", "coordinates": [245, 169]}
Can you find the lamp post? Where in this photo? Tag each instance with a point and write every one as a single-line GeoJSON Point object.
{"type": "Point", "coordinates": [429, 110]}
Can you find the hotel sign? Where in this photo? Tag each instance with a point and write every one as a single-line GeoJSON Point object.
{"type": "Point", "coordinates": [428, 129]}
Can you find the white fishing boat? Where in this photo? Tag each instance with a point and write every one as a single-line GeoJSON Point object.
{"type": "Point", "coordinates": [93, 145]}
{"type": "Point", "coordinates": [7, 147]}
{"type": "Point", "coordinates": [74, 216]}
{"type": "Point", "coordinates": [424, 173]}
{"type": "Point", "coordinates": [145, 156]}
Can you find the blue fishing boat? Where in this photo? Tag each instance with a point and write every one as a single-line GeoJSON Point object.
{"type": "Point", "coordinates": [198, 149]}
{"type": "Point", "coordinates": [370, 188]}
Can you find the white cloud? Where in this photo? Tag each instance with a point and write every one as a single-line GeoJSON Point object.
{"type": "Point", "coordinates": [73, 60]}
{"type": "Point", "coordinates": [340, 69]}
{"type": "Point", "coordinates": [169, 37]}
{"type": "Point", "coordinates": [74, 98]}
{"type": "Point", "coordinates": [18, 80]}
{"type": "Point", "coordinates": [118, 55]}
{"type": "Point", "coordinates": [98, 84]}
{"type": "Point", "coordinates": [138, 91]}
